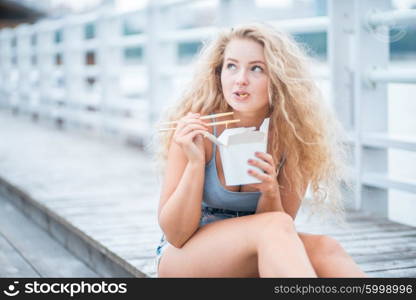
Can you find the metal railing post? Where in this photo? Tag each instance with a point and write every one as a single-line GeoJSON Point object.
{"type": "Point", "coordinates": [371, 51]}
{"type": "Point", "coordinates": [45, 39]}
{"type": "Point", "coordinates": [109, 54]}
{"type": "Point", "coordinates": [159, 55]}
{"type": "Point", "coordinates": [232, 12]}
{"type": "Point", "coordinates": [339, 41]}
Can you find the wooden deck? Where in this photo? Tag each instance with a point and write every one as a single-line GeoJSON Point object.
{"type": "Point", "coordinates": [98, 198]}
{"type": "Point", "coordinates": [381, 247]}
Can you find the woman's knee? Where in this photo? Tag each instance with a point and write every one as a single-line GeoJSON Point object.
{"type": "Point", "coordinates": [276, 222]}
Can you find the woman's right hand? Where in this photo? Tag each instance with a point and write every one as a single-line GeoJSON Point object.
{"type": "Point", "coordinates": [189, 136]}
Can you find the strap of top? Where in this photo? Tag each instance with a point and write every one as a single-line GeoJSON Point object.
{"type": "Point", "coordinates": [214, 146]}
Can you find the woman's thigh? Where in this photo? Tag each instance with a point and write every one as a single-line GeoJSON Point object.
{"type": "Point", "coordinates": [225, 248]}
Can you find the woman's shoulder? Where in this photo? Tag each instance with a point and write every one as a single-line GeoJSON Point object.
{"type": "Point", "coordinates": [208, 145]}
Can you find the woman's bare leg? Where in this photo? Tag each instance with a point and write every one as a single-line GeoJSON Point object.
{"type": "Point", "coordinates": [261, 244]}
{"type": "Point", "coordinates": [328, 257]}
{"type": "Point", "coordinates": [281, 253]}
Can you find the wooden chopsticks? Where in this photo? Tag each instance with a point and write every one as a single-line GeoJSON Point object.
{"type": "Point", "coordinates": [204, 118]}
{"type": "Point", "coordinates": [209, 124]}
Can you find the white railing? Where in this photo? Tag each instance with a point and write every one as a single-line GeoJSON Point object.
{"type": "Point", "coordinates": [393, 18]}
{"type": "Point", "coordinates": [76, 72]}
{"type": "Point", "coordinates": [392, 75]}
{"type": "Point", "coordinates": [304, 25]}
{"type": "Point", "coordinates": [359, 61]}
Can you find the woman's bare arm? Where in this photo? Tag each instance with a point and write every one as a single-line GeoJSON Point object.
{"type": "Point", "coordinates": [290, 200]}
{"type": "Point", "coordinates": [179, 210]}
{"type": "Point", "coordinates": [283, 197]}
{"type": "Point", "coordinates": [270, 202]}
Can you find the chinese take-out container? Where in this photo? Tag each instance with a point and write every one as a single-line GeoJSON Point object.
{"type": "Point", "coordinates": [237, 146]}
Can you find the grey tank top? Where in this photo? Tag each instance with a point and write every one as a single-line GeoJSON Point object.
{"type": "Point", "coordinates": [216, 196]}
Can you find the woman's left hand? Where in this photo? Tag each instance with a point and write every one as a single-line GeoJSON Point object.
{"type": "Point", "coordinates": [265, 162]}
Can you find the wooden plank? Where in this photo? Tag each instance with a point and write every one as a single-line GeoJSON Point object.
{"type": "Point", "coordinates": [140, 250]}
{"type": "Point", "coordinates": [138, 253]}
{"type": "Point", "coordinates": [145, 244]}
{"type": "Point", "coordinates": [354, 223]}
{"type": "Point", "coordinates": [396, 241]}
{"type": "Point", "coordinates": [143, 249]}
{"type": "Point", "coordinates": [143, 255]}
{"type": "Point", "coordinates": [373, 226]}
{"type": "Point", "coordinates": [378, 235]}
{"type": "Point", "coordinates": [94, 221]}
{"type": "Point", "coordinates": [389, 265]}
{"type": "Point", "coordinates": [132, 239]}
{"type": "Point", "coordinates": [356, 229]}
{"type": "Point", "coordinates": [385, 249]}
{"type": "Point", "coordinates": [12, 263]}
{"type": "Point", "coordinates": [407, 272]}
{"type": "Point", "coordinates": [128, 243]}
{"type": "Point", "coordinates": [148, 266]}
{"type": "Point", "coordinates": [374, 257]}
{"type": "Point", "coordinates": [102, 210]}
{"type": "Point", "coordinates": [97, 228]}
{"type": "Point", "coordinates": [339, 234]}
{"type": "Point", "coordinates": [124, 227]}
{"type": "Point", "coordinates": [126, 233]}
{"type": "Point", "coordinates": [106, 195]}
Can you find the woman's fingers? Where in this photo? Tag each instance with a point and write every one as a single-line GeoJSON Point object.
{"type": "Point", "coordinates": [186, 124]}
{"type": "Point", "coordinates": [266, 167]}
{"type": "Point", "coordinates": [189, 120]}
{"type": "Point", "coordinates": [186, 134]}
{"type": "Point", "coordinates": [191, 127]}
{"type": "Point", "coordinates": [188, 127]}
{"type": "Point", "coordinates": [265, 156]}
{"type": "Point", "coordinates": [264, 162]}
{"type": "Point", "coordinates": [189, 138]}
{"type": "Point", "coordinates": [194, 133]}
{"type": "Point", "coordinates": [267, 159]}
{"type": "Point", "coordinates": [261, 176]}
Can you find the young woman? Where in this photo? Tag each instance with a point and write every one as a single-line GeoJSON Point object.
{"type": "Point", "coordinates": [214, 230]}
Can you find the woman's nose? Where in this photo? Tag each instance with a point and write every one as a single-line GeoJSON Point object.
{"type": "Point", "coordinates": [242, 78]}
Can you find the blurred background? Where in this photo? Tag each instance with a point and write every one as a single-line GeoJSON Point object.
{"type": "Point", "coordinates": [109, 68]}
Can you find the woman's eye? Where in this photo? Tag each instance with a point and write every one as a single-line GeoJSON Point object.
{"type": "Point", "coordinates": [257, 69]}
{"type": "Point", "coordinates": [231, 66]}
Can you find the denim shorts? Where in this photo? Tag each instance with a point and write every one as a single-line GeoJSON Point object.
{"type": "Point", "coordinates": [208, 215]}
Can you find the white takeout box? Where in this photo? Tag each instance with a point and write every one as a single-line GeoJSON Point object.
{"type": "Point", "coordinates": [237, 146]}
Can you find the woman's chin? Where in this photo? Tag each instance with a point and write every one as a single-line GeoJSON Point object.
{"type": "Point", "coordinates": [246, 107]}
{"type": "Point", "coordinates": [240, 106]}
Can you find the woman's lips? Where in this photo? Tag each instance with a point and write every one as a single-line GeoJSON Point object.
{"type": "Point", "coordinates": [241, 96]}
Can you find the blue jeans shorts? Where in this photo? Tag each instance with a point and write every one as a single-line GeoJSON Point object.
{"type": "Point", "coordinates": [208, 215]}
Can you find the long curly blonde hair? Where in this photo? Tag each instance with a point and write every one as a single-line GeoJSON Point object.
{"type": "Point", "coordinates": [302, 126]}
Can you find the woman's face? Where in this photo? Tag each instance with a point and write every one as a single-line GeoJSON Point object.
{"type": "Point", "coordinates": [244, 76]}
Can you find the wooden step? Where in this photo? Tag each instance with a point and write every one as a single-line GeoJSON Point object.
{"type": "Point", "coordinates": [29, 251]}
